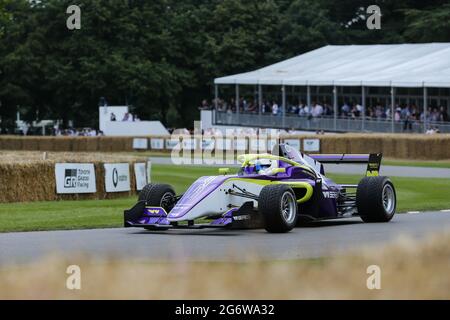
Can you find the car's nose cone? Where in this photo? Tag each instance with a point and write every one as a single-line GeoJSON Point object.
{"type": "Point", "coordinates": [196, 193]}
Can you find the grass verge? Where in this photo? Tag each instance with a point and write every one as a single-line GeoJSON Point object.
{"type": "Point", "coordinates": [417, 163]}
{"type": "Point", "coordinates": [413, 194]}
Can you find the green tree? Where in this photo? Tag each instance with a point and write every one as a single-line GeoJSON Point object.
{"type": "Point", "coordinates": [427, 25]}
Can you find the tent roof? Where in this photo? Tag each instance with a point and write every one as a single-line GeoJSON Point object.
{"type": "Point", "coordinates": [398, 65]}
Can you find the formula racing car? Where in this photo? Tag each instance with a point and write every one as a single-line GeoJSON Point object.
{"type": "Point", "coordinates": [279, 190]}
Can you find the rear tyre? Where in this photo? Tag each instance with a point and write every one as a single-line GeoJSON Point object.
{"type": "Point", "coordinates": [376, 199]}
{"type": "Point", "coordinates": [278, 206]}
{"type": "Point", "coordinates": [158, 195]}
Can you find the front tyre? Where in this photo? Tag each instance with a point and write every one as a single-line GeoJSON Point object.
{"type": "Point", "coordinates": [158, 195]}
{"type": "Point", "coordinates": [278, 206]}
{"type": "Point", "coordinates": [376, 199]}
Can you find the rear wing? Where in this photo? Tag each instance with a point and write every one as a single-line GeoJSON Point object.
{"type": "Point", "coordinates": [373, 160]}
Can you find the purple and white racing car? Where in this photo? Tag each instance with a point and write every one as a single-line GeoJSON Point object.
{"type": "Point", "coordinates": [278, 190]}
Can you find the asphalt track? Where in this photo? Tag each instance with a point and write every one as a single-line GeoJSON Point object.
{"type": "Point", "coordinates": [317, 240]}
{"type": "Point", "coordinates": [390, 171]}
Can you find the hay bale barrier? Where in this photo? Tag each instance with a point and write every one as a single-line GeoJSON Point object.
{"type": "Point", "coordinates": [399, 146]}
{"type": "Point", "coordinates": [26, 177]}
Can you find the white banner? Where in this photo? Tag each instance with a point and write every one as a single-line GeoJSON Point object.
{"type": "Point", "coordinates": [271, 144]}
{"type": "Point", "coordinates": [172, 143]}
{"type": "Point", "coordinates": [294, 143]}
{"type": "Point", "coordinates": [73, 178]}
{"type": "Point", "coordinates": [117, 177]}
{"type": "Point", "coordinates": [208, 144]}
{"type": "Point", "coordinates": [140, 144]}
{"type": "Point", "coordinates": [311, 145]}
{"type": "Point", "coordinates": [189, 144]}
{"type": "Point", "coordinates": [241, 145]}
{"type": "Point", "coordinates": [157, 143]}
{"type": "Point", "coordinates": [258, 145]}
{"type": "Point", "coordinates": [228, 144]}
{"type": "Point", "coordinates": [140, 173]}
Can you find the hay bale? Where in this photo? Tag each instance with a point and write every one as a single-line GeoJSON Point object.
{"type": "Point", "coordinates": [62, 144]}
{"type": "Point", "coordinates": [25, 177]}
{"type": "Point", "coordinates": [12, 143]}
{"type": "Point", "coordinates": [30, 143]}
{"type": "Point", "coordinates": [399, 146]}
{"type": "Point", "coordinates": [27, 182]}
{"type": "Point", "coordinates": [46, 144]}
{"type": "Point", "coordinates": [91, 144]}
{"type": "Point", "coordinates": [334, 144]}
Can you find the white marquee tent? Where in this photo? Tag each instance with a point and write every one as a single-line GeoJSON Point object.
{"type": "Point", "coordinates": [399, 65]}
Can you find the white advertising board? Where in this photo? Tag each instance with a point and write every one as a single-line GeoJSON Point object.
{"type": "Point", "coordinates": [208, 144]}
{"type": "Point", "coordinates": [224, 144]}
{"type": "Point", "coordinates": [311, 145]}
{"type": "Point", "coordinates": [117, 177]}
{"type": "Point", "coordinates": [140, 173]}
{"type": "Point", "coordinates": [157, 143]}
{"type": "Point", "coordinates": [258, 145]}
{"type": "Point", "coordinates": [294, 143]}
{"type": "Point", "coordinates": [189, 144]}
{"type": "Point", "coordinates": [73, 178]}
{"type": "Point", "coordinates": [271, 144]}
{"type": "Point", "coordinates": [241, 145]}
{"type": "Point", "coordinates": [172, 143]}
{"type": "Point", "coordinates": [140, 144]}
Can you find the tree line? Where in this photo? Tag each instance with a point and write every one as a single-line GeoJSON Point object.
{"type": "Point", "coordinates": [161, 56]}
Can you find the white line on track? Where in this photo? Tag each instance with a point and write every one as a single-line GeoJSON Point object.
{"type": "Point", "coordinates": [413, 212]}
{"type": "Point", "coordinates": [448, 210]}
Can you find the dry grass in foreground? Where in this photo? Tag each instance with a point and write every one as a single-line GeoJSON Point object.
{"type": "Point", "coordinates": [410, 270]}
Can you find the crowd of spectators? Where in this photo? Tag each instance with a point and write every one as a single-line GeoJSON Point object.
{"type": "Point", "coordinates": [73, 132]}
{"type": "Point", "coordinates": [405, 113]}
{"type": "Point", "coordinates": [127, 117]}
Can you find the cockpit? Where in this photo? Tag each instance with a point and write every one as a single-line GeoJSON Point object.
{"type": "Point", "coordinates": [278, 164]}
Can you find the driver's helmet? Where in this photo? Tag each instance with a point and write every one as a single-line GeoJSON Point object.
{"type": "Point", "coordinates": [266, 167]}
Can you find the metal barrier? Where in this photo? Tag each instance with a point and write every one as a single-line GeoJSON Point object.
{"type": "Point", "coordinates": [324, 123]}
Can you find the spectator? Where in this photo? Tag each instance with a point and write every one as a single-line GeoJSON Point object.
{"type": "Point", "coordinates": [275, 108]}
{"type": "Point", "coordinates": [406, 115]}
{"type": "Point", "coordinates": [415, 115]}
{"type": "Point", "coordinates": [443, 115]}
{"type": "Point", "coordinates": [354, 112]}
{"type": "Point", "coordinates": [398, 114]}
{"type": "Point", "coordinates": [345, 109]}
{"type": "Point", "coordinates": [264, 107]}
{"type": "Point", "coordinates": [328, 110]}
{"type": "Point", "coordinates": [204, 105]}
{"type": "Point", "coordinates": [359, 108]}
{"type": "Point", "coordinates": [317, 110]}
{"type": "Point", "coordinates": [434, 115]}
{"type": "Point", "coordinates": [126, 117]}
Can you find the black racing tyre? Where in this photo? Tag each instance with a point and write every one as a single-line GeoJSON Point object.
{"type": "Point", "coordinates": [278, 205]}
{"type": "Point", "coordinates": [158, 195]}
{"type": "Point", "coordinates": [376, 199]}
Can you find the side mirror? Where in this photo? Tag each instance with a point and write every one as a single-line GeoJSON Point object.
{"type": "Point", "coordinates": [224, 171]}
